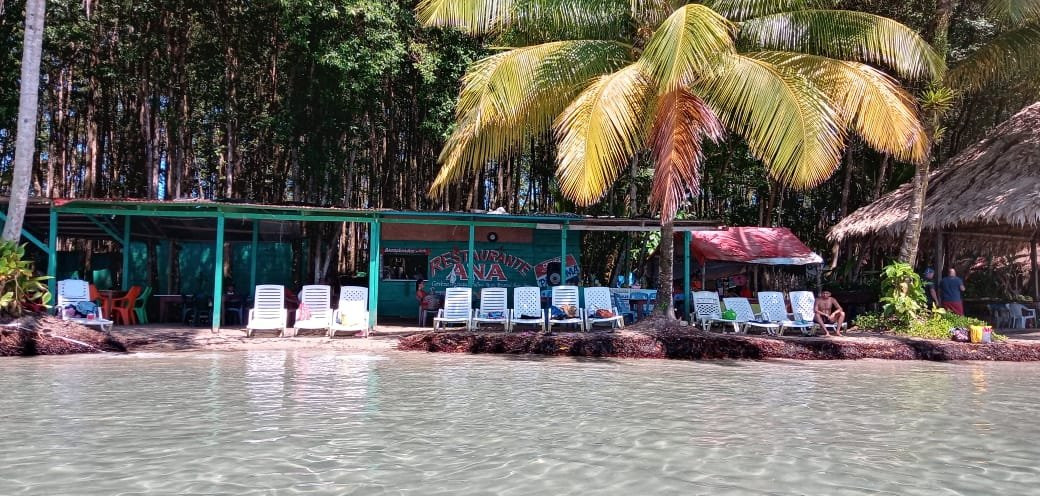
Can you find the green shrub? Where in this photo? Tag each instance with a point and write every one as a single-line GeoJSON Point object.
{"type": "Point", "coordinates": [19, 287]}
{"type": "Point", "coordinates": [901, 291]}
{"type": "Point", "coordinates": [937, 326]}
{"type": "Point", "coordinates": [875, 321]}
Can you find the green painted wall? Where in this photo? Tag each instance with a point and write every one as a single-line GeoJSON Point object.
{"type": "Point", "coordinates": [496, 264]}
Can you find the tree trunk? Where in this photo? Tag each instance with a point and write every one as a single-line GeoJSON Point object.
{"type": "Point", "coordinates": [28, 103]}
{"type": "Point", "coordinates": [666, 254]}
{"type": "Point", "coordinates": [915, 215]}
{"type": "Point", "coordinates": [843, 209]}
{"type": "Point", "coordinates": [879, 185]}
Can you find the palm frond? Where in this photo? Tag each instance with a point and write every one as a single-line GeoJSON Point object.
{"type": "Point", "coordinates": [867, 100]}
{"type": "Point", "coordinates": [599, 131]}
{"type": "Point", "coordinates": [847, 35]}
{"type": "Point", "coordinates": [538, 21]}
{"type": "Point", "coordinates": [470, 16]}
{"type": "Point", "coordinates": [650, 12]}
{"type": "Point", "coordinates": [1010, 54]}
{"type": "Point", "coordinates": [1015, 11]}
{"type": "Point", "coordinates": [510, 96]}
{"type": "Point", "coordinates": [739, 10]}
{"type": "Point", "coordinates": [786, 121]}
{"type": "Point", "coordinates": [687, 46]}
{"type": "Point", "coordinates": [682, 122]}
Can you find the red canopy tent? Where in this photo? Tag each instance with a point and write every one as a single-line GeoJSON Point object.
{"type": "Point", "coordinates": [752, 245]}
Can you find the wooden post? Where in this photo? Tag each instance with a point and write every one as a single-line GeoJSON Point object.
{"type": "Point", "coordinates": [940, 254]}
{"type": "Point", "coordinates": [470, 247]}
{"type": "Point", "coordinates": [563, 254]}
{"type": "Point", "coordinates": [687, 239]}
{"type": "Point", "coordinates": [254, 245]}
{"type": "Point", "coordinates": [218, 275]}
{"type": "Point", "coordinates": [1036, 272]}
{"type": "Point", "coordinates": [52, 256]}
{"type": "Point", "coordinates": [373, 273]}
{"type": "Point", "coordinates": [126, 253]}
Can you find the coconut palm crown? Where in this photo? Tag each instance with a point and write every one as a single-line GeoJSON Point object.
{"type": "Point", "coordinates": [612, 78]}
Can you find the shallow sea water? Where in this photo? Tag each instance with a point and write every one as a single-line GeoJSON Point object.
{"type": "Point", "coordinates": [296, 422]}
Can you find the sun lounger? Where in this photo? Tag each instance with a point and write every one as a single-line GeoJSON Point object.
{"type": "Point", "coordinates": [527, 307]}
{"type": "Point", "coordinates": [494, 308]}
{"type": "Point", "coordinates": [268, 312]}
{"type": "Point", "coordinates": [351, 313]}
{"type": "Point", "coordinates": [566, 296]}
{"type": "Point", "coordinates": [458, 308]}
{"type": "Point", "coordinates": [315, 310]}
{"type": "Point", "coordinates": [599, 299]}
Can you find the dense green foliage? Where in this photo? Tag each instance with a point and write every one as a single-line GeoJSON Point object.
{"type": "Point", "coordinates": [20, 288]}
{"type": "Point", "coordinates": [936, 325]}
{"type": "Point", "coordinates": [902, 294]}
{"type": "Point", "coordinates": [348, 102]}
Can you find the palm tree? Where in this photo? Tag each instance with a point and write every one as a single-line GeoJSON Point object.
{"type": "Point", "coordinates": [28, 101]}
{"type": "Point", "coordinates": [1011, 54]}
{"type": "Point", "coordinates": [612, 78]}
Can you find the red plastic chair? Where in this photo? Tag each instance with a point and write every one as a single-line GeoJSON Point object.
{"type": "Point", "coordinates": [123, 307]}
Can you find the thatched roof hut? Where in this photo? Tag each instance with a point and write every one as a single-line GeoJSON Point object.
{"type": "Point", "coordinates": [987, 196]}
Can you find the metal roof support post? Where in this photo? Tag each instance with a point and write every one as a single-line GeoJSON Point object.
{"type": "Point", "coordinates": [563, 253]}
{"type": "Point", "coordinates": [126, 253]}
{"type": "Point", "coordinates": [253, 247]}
{"type": "Point", "coordinates": [52, 255]}
{"type": "Point", "coordinates": [218, 276]}
{"type": "Point", "coordinates": [470, 247]}
{"type": "Point", "coordinates": [373, 273]}
{"type": "Point", "coordinates": [687, 239]}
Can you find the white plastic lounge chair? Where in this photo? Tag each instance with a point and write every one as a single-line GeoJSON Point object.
{"type": "Point", "coordinates": [72, 291]}
{"type": "Point", "coordinates": [803, 303]}
{"type": "Point", "coordinates": [318, 301]}
{"type": "Point", "coordinates": [597, 299]}
{"type": "Point", "coordinates": [566, 295]}
{"type": "Point", "coordinates": [707, 308]}
{"type": "Point", "coordinates": [745, 314]}
{"type": "Point", "coordinates": [1020, 314]}
{"type": "Point", "coordinates": [527, 307]}
{"type": "Point", "coordinates": [494, 308]}
{"type": "Point", "coordinates": [774, 309]}
{"type": "Point", "coordinates": [458, 308]}
{"type": "Point", "coordinates": [268, 312]}
{"type": "Point", "coordinates": [351, 313]}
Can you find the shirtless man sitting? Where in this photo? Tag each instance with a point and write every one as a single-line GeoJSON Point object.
{"type": "Point", "coordinates": [828, 312]}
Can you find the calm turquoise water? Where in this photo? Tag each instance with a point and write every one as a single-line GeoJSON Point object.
{"type": "Point", "coordinates": [288, 422]}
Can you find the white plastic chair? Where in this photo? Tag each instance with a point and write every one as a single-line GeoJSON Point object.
{"type": "Point", "coordinates": [742, 307]}
{"type": "Point", "coordinates": [566, 295]}
{"type": "Point", "coordinates": [268, 312]}
{"type": "Point", "coordinates": [351, 313]}
{"type": "Point", "coordinates": [707, 308]}
{"type": "Point", "coordinates": [803, 303]}
{"type": "Point", "coordinates": [493, 301]}
{"type": "Point", "coordinates": [599, 299]}
{"type": "Point", "coordinates": [773, 308]}
{"type": "Point", "coordinates": [527, 303]}
{"type": "Point", "coordinates": [1020, 314]}
{"type": "Point", "coordinates": [458, 308]}
{"type": "Point", "coordinates": [318, 300]}
{"type": "Point", "coordinates": [72, 291]}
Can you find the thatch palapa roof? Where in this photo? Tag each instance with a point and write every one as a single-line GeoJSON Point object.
{"type": "Point", "coordinates": [991, 191]}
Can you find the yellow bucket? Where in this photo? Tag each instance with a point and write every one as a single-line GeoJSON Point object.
{"type": "Point", "coordinates": [976, 333]}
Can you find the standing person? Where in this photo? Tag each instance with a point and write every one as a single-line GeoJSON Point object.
{"type": "Point", "coordinates": [950, 288]}
{"type": "Point", "coordinates": [828, 312]}
{"type": "Point", "coordinates": [929, 288]}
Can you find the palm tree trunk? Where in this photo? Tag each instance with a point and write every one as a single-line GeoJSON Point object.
{"type": "Point", "coordinates": [915, 215]}
{"type": "Point", "coordinates": [28, 103]}
{"type": "Point", "coordinates": [666, 252]}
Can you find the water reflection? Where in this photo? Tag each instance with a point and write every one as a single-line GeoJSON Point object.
{"type": "Point", "coordinates": [330, 423]}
